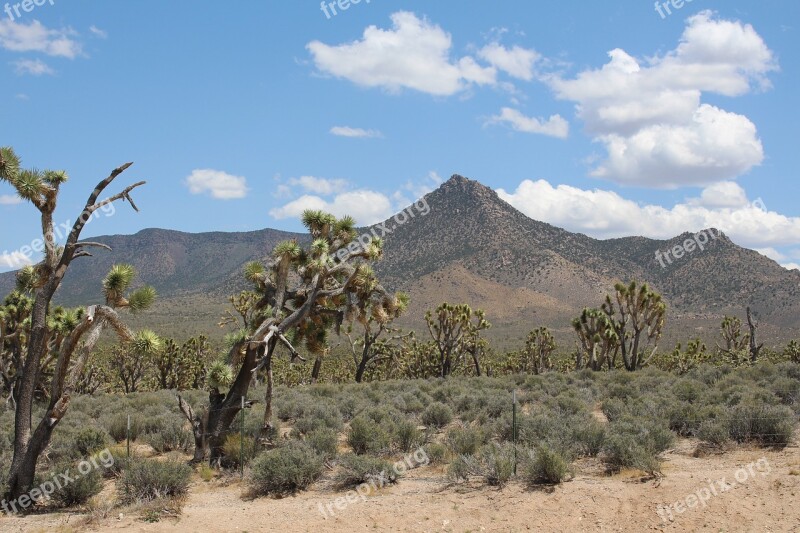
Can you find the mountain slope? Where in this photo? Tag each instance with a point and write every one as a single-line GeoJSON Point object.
{"type": "Point", "coordinates": [469, 245]}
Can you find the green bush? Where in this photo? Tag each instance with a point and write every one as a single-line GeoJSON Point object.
{"type": "Point", "coordinates": [232, 450]}
{"type": "Point", "coordinates": [118, 427]}
{"type": "Point", "coordinates": [173, 436]}
{"type": "Point", "coordinates": [494, 463]}
{"type": "Point", "coordinates": [79, 490]}
{"type": "Point", "coordinates": [325, 442]}
{"type": "Point", "coordinates": [318, 417]}
{"type": "Point", "coordinates": [406, 436]}
{"type": "Point", "coordinates": [715, 432]}
{"type": "Point", "coordinates": [465, 440]}
{"type": "Point", "coordinates": [544, 466]}
{"type": "Point", "coordinates": [357, 469]}
{"type": "Point", "coordinates": [367, 436]}
{"type": "Point", "coordinates": [769, 425]}
{"type": "Point", "coordinates": [145, 480]}
{"type": "Point", "coordinates": [437, 415]}
{"type": "Point", "coordinates": [437, 453]}
{"type": "Point", "coordinates": [636, 443]}
{"type": "Point", "coordinates": [285, 470]}
{"type": "Point", "coordinates": [89, 441]}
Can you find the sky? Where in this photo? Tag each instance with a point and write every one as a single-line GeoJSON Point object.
{"type": "Point", "coordinates": [609, 118]}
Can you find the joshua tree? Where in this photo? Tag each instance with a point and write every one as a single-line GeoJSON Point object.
{"type": "Point", "coordinates": [373, 321]}
{"type": "Point", "coordinates": [755, 348]}
{"type": "Point", "coordinates": [539, 346]}
{"type": "Point", "coordinates": [42, 189]}
{"type": "Point", "coordinates": [640, 322]}
{"type": "Point", "coordinates": [599, 342]}
{"type": "Point", "coordinates": [452, 329]}
{"type": "Point", "coordinates": [303, 293]}
{"type": "Point", "coordinates": [735, 340]}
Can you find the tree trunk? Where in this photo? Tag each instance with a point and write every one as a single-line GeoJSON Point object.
{"type": "Point", "coordinates": [362, 367]}
{"type": "Point", "coordinates": [316, 370]}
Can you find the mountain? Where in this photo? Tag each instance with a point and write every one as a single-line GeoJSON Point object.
{"type": "Point", "coordinates": [462, 243]}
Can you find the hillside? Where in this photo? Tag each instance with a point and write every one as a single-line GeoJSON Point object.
{"type": "Point", "coordinates": [467, 245]}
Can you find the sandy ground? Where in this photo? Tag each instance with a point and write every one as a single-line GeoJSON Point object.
{"type": "Point", "coordinates": [765, 498]}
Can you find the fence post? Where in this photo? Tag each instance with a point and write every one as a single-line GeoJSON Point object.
{"type": "Point", "coordinates": [128, 436]}
{"type": "Point", "coordinates": [241, 444]}
{"type": "Point", "coordinates": [514, 426]}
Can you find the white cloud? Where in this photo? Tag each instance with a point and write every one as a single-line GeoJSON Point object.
{"type": "Point", "coordinates": [34, 67]}
{"type": "Point", "coordinates": [35, 37]}
{"type": "Point", "coordinates": [322, 186]}
{"type": "Point", "coordinates": [516, 61]}
{"type": "Point", "coordinates": [555, 126]}
{"type": "Point", "coordinates": [367, 207]}
{"type": "Point", "coordinates": [14, 260]}
{"type": "Point", "coordinates": [606, 214]}
{"type": "Point", "coordinates": [649, 114]}
{"type": "Point", "coordinates": [791, 266]}
{"type": "Point", "coordinates": [21, 96]}
{"type": "Point", "coordinates": [414, 54]}
{"type": "Point", "coordinates": [97, 32]}
{"type": "Point", "coordinates": [347, 131]}
{"type": "Point", "coordinates": [10, 199]}
{"type": "Point", "coordinates": [217, 184]}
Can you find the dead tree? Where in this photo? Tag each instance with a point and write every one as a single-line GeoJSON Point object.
{"type": "Point", "coordinates": [755, 348]}
{"type": "Point", "coordinates": [41, 189]}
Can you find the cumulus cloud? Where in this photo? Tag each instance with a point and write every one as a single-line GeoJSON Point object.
{"type": "Point", "coordinates": [415, 54]}
{"type": "Point", "coordinates": [606, 214]}
{"type": "Point", "coordinates": [10, 199]}
{"type": "Point", "coordinates": [321, 186]}
{"type": "Point", "coordinates": [14, 260]}
{"type": "Point", "coordinates": [35, 37]}
{"type": "Point", "coordinates": [649, 115]}
{"type": "Point", "coordinates": [367, 207]}
{"type": "Point", "coordinates": [97, 32]}
{"type": "Point", "coordinates": [347, 131]}
{"type": "Point", "coordinates": [516, 61]}
{"type": "Point", "coordinates": [217, 184]}
{"type": "Point", "coordinates": [555, 126]}
{"type": "Point", "coordinates": [34, 67]}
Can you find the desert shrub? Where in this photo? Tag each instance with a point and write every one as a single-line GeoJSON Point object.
{"type": "Point", "coordinates": [635, 443]}
{"type": "Point", "coordinates": [406, 436]}
{"type": "Point", "coordinates": [173, 436]}
{"type": "Point", "coordinates": [437, 453]}
{"type": "Point", "coordinates": [89, 441]}
{"type": "Point", "coordinates": [437, 415]}
{"type": "Point", "coordinates": [613, 408]}
{"type": "Point", "coordinates": [367, 436]}
{"type": "Point", "coordinates": [80, 489]}
{"type": "Point", "coordinates": [117, 427]}
{"type": "Point", "coordinates": [769, 425]}
{"type": "Point", "coordinates": [325, 442]}
{"type": "Point", "coordinates": [544, 466]}
{"type": "Point", "coordinates": [146, 480]}
{"type": "Point", "coordinates": [715, 432]}
{"type": "Point", "coordinates": [465, 440]}
{"type": "Point", "coordinates": [494, 463]}
{"type": "Point", "coordinates": [285, 470]}
{"type": "Point", "coordinates": [319, 416]}
{"type": "Point", "coordinates": [589, 438]}
{"type": "Point", "coordinates": [357, 469]}
{"type": "Point", "coordinates": [232, 450]}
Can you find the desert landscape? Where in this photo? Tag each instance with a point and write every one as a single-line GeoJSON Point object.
{"type": "Point", "coordinates": [288, 266]}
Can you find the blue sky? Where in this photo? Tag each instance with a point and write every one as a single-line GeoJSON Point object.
{"type": "Point", "coordinates": [606, 118]}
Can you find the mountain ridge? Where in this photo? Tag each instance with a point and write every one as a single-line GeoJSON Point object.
{"type": "Point", "coordinates": [471, 246]}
